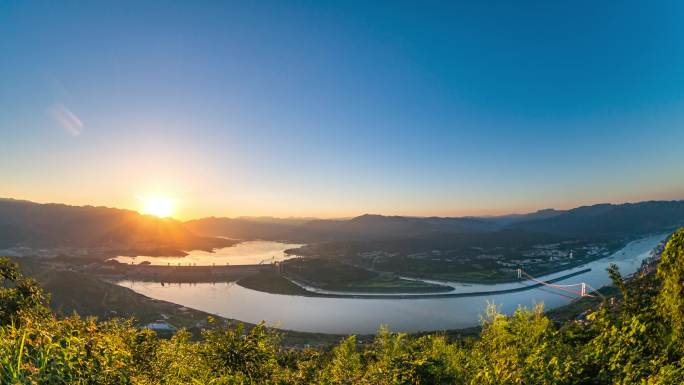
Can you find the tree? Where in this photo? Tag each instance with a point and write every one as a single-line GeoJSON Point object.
{"type": "Point", "coordinates": [19, 295]}
{"type": "Point", "coordinates": [345, 366]}
{"type": "Point", "coordinates": [671, 273]}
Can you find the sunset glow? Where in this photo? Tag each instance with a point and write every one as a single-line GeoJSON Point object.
{"type": "Point", "coordinates": [156, 205]}
{"type": "Point", "coordinates": [304, 120]}
{"type": "Point", "coordinates": [198, 192]}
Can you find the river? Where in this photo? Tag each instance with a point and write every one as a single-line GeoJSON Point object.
{"type": "Point", "coordinates": [365, 315]}
{"type": "Point", "coordinates": [243, 253]}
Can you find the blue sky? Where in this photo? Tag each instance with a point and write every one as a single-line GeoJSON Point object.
{"type": "Point", "coordinates": [328, 109]}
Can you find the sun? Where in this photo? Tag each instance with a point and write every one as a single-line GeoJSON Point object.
{"type": "Point", "coordinates": [158, 206]}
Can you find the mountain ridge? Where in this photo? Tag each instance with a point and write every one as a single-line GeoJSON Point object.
{"type": "Point", "coordinates": [590, 220]}
{"type": "Point", "coordinates": [25, 223]}
{"type": "Point", "coordinates": [55, 224]}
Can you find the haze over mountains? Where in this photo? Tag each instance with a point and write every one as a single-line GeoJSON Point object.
{"type": "Point", "coordinates": [596, 220]}
{"type": "Point", "coordinates": [24, 223]}
{"type": "Point", "coordinates": [52, 225]}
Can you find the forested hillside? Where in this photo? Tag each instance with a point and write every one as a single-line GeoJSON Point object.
{"type": "Point", "coordinates": [24, 223]}
{"type": "Point", "coordinates": [636, 339]}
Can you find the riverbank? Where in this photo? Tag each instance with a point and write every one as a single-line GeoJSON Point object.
{"type": "Point", "coordinates": [358, 314]}
{"type": "Point", "coordinates": [87, 295]}
{"type": "Point", "coordinates": [114, 271]}
{"type": "Point", "coordinates": [188, 305]}
{"type": "Point", "coordinates": [277, 284]}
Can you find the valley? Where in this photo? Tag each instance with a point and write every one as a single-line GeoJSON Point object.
{"type": "Point", "coordinates": [336, 276]}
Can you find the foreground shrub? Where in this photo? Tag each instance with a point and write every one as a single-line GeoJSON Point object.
{"type": "Point", "coordinates": [638, 340]}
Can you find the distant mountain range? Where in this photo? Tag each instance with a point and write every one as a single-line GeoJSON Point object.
{"type": "Point", "coordinates": [24, 223]}
{"type": "Point", "coordinates": [51, 225]}
{"type": "Point", "coordinates": [587, 221]}
{"type": "Point", "coordinates": [609, 219]}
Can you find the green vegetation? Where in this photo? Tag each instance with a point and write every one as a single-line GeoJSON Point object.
{"type": "Point", "coordinates": [479, 276]}
{"type": "Point", "coordinates": [388, 283]}
{"type": "Point", "coordinates": [271, 282]}
{"type": "Point", "coordinates": [635, 340]}
{"type": "Point", "coordinates": [83, 293]}
{"type": "Point", "coordinates": [470, 258]}
{"type": "Point", "coordinates": [326, 272]}
{"type": "Point", "coordinates": [329, 274]}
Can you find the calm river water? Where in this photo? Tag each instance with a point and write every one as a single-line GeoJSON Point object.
{"type": "Point", "coordinates": [364, 315]}
{"type": "Point", "coordinates": [243, 253]}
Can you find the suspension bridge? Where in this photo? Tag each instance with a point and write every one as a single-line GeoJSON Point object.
{"type": "Point", "coordinates": [575, 290]}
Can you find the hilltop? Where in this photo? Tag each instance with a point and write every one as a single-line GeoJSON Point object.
{"type": "Point", "coordinates": [51, 225]}
{"type": "Point", "coordinates": [95, 229]}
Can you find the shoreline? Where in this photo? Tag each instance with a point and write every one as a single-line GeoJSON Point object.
{"type": "Point", "coordinates": [307, 293]}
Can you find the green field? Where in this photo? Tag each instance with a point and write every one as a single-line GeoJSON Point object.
{"type": "Point", "coordinates": [332, 275]}
{"type": "Point", "coordinates": [271, 282]}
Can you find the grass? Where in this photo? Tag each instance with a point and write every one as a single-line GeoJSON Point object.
{"type": "Point", "coordinates": [488, 276]}
{"type": "Point", "coordinates": [271, 282]}
{"type": "Point", "coordinates": [332, 275]}
{"type": "Point", "coordinates": [392, 284]}
{"type": "Point", "coordinates": [325, 272]}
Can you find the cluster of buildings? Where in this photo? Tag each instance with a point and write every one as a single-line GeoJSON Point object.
{"type": "Point", "coordinates": [559, 253]}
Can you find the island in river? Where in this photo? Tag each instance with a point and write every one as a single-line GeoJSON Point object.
{"type": "Point", "coordinates": [379, 267]}
{"type": "Point", "coordinates": [360, 314]}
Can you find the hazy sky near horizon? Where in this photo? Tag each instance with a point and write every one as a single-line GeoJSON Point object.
{"type": "Point", "coordinates": [342, 108]}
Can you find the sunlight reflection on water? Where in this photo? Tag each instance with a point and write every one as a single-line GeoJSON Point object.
{"type": "Point", "coordinates": [243, 253]}
{"type": "Point", "coordinates": [355, 315]}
